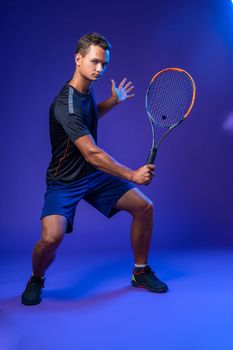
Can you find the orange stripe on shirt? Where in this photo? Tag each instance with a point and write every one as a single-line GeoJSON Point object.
{"type": "Point", "coordinates": [62, 158]}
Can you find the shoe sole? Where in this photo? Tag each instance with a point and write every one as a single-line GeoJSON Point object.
{"type": "Point", "coordinates": [30, 303]}
{"type": "Point", "coordinates": [137, 285]}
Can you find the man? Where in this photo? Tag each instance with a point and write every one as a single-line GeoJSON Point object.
{"type": "Point", "coordinates": [79, 169]}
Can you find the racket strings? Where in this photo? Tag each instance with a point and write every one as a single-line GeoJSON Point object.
{"type": "Point", "coordinates": [169, 98]}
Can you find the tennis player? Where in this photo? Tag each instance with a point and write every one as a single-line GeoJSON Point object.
{"type": "Point", "coordinates": [79, 169]}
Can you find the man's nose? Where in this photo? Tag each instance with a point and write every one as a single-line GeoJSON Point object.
{"type": "Point", "coordinates": [99, 67]}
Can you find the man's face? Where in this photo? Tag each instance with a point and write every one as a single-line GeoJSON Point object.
{"type": "Point", "coordinates": [93, 65]}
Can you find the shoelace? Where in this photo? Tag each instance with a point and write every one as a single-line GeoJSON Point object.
{"type": "Point", "coordinates": [151, 274]}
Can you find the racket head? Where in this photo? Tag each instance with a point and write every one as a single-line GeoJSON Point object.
{"type": "Point", "coordinates": [170, 97]}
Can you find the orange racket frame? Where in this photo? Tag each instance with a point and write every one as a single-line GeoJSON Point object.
{"type": "Point", "coordinates": [153, 151]}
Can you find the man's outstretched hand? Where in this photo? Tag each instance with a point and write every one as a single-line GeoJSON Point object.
{"type": "Point", "coordinates": [143, 175]}
{"type": "Point", "coordinates": [121, 93]}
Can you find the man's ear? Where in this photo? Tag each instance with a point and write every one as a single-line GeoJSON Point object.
{"type": "Point", "coordinates": [78, 58]}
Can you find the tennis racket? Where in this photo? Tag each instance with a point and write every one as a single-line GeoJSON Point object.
{"type": "Point", "coordinates": [169, 99]}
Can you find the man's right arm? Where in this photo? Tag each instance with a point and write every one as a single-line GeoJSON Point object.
{"type": "Point", "coordinates": [103, 161]}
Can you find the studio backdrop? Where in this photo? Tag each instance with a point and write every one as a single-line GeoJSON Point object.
{"type": "Point", "coordinates": [192, 190]}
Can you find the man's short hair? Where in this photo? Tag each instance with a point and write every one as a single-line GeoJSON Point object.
{"type": "Point", "coordinates": [89, 39]}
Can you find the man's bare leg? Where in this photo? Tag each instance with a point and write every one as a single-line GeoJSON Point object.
{"type": "Point", "coordinates": [141, 208]}
{"type": "Point", "coordinates": [53, 230]}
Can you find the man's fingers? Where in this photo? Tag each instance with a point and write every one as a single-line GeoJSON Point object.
{"type": "Point", "coordinates": [128, 84]}
{"type": "Point", "coordinates": [128, 96]}
{"type": "Point", "coordinates": [151, 166]}
{"type": "Point", "coordinates": [149, 176]}
{"type": "Point", "coordinates": [145, 174]}
{"type": "Point", "coordinates": [113, 82]}
{"type": "Point", "coordinates": [147, 182]}
{"type": "Point", "coordinates": [122, 83]}
{"type": "Point", "coordinates": [149, 172]}
{"type": "Point", "coordinates": [129, 89]}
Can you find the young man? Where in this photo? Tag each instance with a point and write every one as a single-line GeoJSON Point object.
{"type": "Point", "coordinates": [79, 169]}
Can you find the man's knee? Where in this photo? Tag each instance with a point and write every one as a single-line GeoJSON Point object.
{"type": "Point", "coordinates": [51, 239]}
{"type": "Point", "coordinates": [53, 230]}
{"type": "Point", "coordinates": [136, 203]}
{"type": "Point", "coordinates": [144, 209]}
{"type": "Point", "coordinates": [147, 208]}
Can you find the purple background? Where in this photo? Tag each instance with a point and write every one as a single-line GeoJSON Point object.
{"type": "Point", "coordinates": [192, 191]}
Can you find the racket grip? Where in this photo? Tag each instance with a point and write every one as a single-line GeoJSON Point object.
{"type": "Point", "coordinates": [152, 155]}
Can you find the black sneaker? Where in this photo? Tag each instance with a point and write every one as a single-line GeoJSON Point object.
{"type": "Point", "coordinates": [32, 293]}
{"type": "Point", "coordinates": [146, 278]}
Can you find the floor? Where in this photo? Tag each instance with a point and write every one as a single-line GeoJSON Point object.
{"type": "Point", "coordinates": [88, 303]}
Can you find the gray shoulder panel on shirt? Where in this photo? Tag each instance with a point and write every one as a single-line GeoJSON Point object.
{"type": "Point", "coordinates": [70, 100]}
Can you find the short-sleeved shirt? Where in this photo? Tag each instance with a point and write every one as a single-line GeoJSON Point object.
{"type": "Point", "coordinates": [72, 114]}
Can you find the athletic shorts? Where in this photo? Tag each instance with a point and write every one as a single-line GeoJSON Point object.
{"type": "Point", "coordinates": [99, 189]}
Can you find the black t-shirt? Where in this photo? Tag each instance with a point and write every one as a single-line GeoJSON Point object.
{"type": "Point", "coordinates": [72, 115]}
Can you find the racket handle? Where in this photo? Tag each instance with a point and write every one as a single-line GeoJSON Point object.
{"type": "Point", "coordinates": [152, 155]}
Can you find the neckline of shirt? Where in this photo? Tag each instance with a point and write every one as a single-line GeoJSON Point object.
{"type": "Point", "coordinates": [82, 94]}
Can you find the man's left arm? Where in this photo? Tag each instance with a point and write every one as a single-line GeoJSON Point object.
{"type": "Point", "coordinates": [119, 94]}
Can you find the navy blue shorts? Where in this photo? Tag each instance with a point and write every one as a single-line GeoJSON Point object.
{"type": "Point", "coordinates": [99, 189]}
